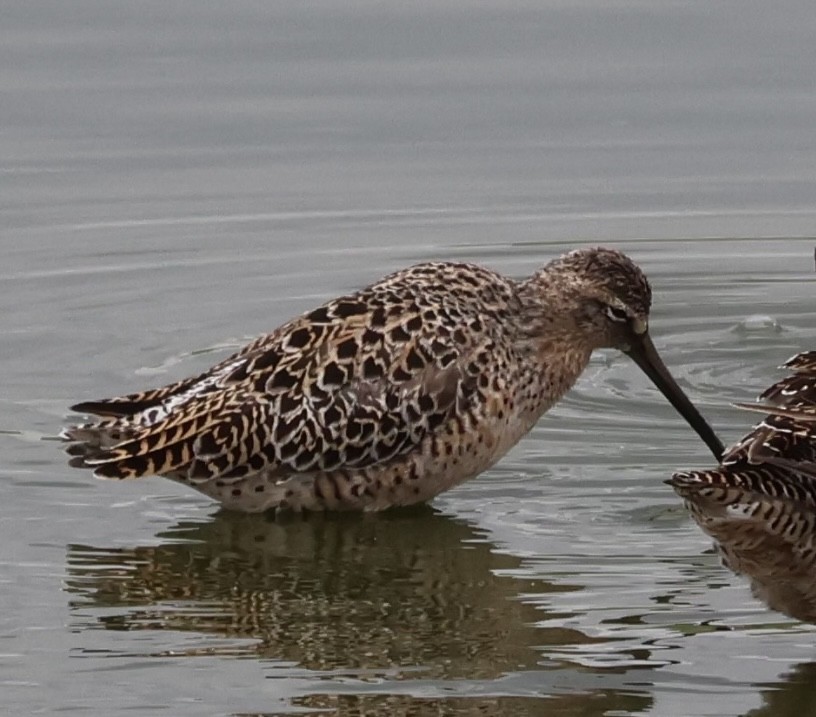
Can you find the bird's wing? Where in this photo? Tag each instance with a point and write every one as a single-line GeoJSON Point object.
{"type": "Point", "coordinates": [349, 385]}
{"type": "Point", "coordinates": [786, 437]}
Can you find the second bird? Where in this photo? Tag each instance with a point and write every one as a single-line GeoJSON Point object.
{"type": "Point", "coordinates": [387, 396]}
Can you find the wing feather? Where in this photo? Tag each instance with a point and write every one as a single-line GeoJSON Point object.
{"type": "Point", "coordinates": [357, 382]}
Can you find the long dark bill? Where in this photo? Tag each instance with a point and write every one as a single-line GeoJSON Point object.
{"type": "Point", "coordinates": [645, 355]}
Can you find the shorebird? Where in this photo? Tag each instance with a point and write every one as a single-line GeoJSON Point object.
{"type": "Point", "coordinates": [387, 396]}
{"type": "Point", "coordinates": [759, 505]}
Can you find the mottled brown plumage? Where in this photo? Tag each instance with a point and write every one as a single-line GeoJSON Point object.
{"type": "Point", "coordinates": [384, 397]}
{"type": "Point", "coordinates": [760, 504]}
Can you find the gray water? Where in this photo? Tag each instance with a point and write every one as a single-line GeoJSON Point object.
{"type": "Point", "coordinates": [178, 177]}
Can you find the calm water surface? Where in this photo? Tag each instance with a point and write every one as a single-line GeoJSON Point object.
{"type": "Point", "coordinates": [177, 178]}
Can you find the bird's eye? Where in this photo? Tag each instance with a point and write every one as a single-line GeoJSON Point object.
{"type": "Point", "coordinates": [616, 314]}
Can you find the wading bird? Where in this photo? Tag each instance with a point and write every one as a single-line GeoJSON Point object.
{"type": "Point", "coordinates": [759, 505]}
{"type": "Point", "coordinates": [387, 396]}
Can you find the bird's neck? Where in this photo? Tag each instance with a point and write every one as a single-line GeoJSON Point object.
{"type": "Point", "coordinates": [550, 340]}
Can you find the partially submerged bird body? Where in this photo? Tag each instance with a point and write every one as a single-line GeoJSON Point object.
{"type": "Point", "coordinates": [759, 505]}
{"type": "Point", "coordinates": [384, 397]}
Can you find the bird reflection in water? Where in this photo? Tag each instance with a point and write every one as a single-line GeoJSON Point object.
{"type": "Point", "coordinates": [412, 597]}
{"type": "Point", "coordinates": [328, 592]}
{"type": "Point", "coordinates": [759, 504]}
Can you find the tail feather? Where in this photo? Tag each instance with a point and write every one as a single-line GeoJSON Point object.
{"type": "Point", "coordinates": [112, 407]}
{"type": "Point", "coordinates": [196, 444]}
{"type": "Point", "coordinates": [170, 459]}
{"type": "Point", "coordinates": [133, 403]}
{"type": "Point", "coordinates": [101, 434]}
{"type": "Point", "coordinates": [154, 450]}
{"type": "Point", "coordinates": [148, 433]}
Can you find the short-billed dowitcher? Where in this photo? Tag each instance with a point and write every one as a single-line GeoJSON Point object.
{"type": "Point", "coordinates": [759, 505]}
{"type": "Point", "coordinates": [387, 396]}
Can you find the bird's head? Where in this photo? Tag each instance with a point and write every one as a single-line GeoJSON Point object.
{"type": "Point", "coordinates": [599, 298]}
